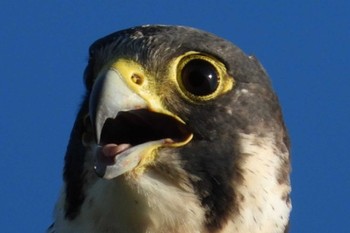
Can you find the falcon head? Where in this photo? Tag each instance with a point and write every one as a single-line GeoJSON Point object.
{"type": "Point", "coordinates": [179, 131]}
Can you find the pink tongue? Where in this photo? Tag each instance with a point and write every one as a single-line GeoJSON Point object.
{"type": "Point", "coordinates": [111, 150]}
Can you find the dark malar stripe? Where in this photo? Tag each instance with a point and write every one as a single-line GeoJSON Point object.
{"type": "Point", "coordinates": [74, 167]}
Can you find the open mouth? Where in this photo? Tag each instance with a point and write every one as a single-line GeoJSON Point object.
{"type": "Point", "coordinates": [127, 133]}
{"type": "Point", "coordinates": [139, 126]}
{"type": "Point", "coordinates": [125, 138]}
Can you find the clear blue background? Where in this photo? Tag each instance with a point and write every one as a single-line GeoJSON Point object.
{"type": "Point", "coordinates": [304, 45]}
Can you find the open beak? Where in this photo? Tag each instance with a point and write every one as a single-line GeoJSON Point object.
{"type": "Point", "coordinates": [127, 131]}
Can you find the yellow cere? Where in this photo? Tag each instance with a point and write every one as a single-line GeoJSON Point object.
{"type": "Point", "coordinates": [140, 81]}
{"type": "Point", "coordinates": [144, 88]}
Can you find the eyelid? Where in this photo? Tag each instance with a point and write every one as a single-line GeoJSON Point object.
{"type": "Point", "coordinates": [225, 82]}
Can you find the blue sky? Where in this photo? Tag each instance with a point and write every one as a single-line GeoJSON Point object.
{"type": "Point", "coordinates": [304, 45]}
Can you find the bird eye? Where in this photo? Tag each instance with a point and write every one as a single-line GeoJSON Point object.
{"type": "Point", "coordinates": [199, 77]}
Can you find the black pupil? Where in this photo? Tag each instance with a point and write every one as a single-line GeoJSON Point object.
{"type": "Point", "coordinates": [199, 77]}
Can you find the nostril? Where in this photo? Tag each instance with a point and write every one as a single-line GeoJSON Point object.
{"type": "Point", "coordinates": [137, 79]}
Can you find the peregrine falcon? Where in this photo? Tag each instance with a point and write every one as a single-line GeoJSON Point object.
{"type": "Point", "coordinates": [179, 132]}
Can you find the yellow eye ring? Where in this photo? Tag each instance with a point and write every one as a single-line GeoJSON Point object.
{"type": "Point", "coordinates": [201, 77]}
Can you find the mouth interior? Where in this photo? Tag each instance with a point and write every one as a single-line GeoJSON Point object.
{"type": "Point", "coordinates": [139, 126]}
